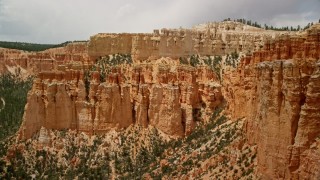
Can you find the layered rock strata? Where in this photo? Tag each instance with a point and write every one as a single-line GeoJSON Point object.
{"type": "Point", "coordinates": [219, 38]}
{"type": "Point", "coordinates": [277, 90]}
{"type": "Point", "coordinates": [31, 63]}
{"type": "Point", "coordinates": [170, 98]}
{"type": "Point", "coordinates": [206, 39]}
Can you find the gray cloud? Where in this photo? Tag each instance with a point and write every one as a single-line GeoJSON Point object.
{"type": "Point", "coordinates": [48, 21]}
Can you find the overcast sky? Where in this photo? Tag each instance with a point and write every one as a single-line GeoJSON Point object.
{"type": "Point", "coordinates": [56, 21]}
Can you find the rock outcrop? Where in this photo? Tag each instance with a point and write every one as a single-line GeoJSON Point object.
{"type": "Point", "coordinates": [277, 90]}
{"type": "Point", "coordinates": [31, 63]}
{"type": "Point", "coordinates": [205, 39]}
{"type": "Point", "coordinates": [153, 91]}
{"type": "Point", "coordinates": [165, 96]}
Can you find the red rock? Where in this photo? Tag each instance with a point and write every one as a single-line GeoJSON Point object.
{"type": "Point", "coordinates": [277, 90]}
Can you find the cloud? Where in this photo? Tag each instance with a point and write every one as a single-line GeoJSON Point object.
{"type": "Point", "coordinates": [125, 10]}
{"type": "Point", "coordinates": [47, 21]}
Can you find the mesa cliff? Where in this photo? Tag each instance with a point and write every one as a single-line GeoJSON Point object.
{"type": "Point", "coordinates": [277, 90]}
{"type": "Point", "coordinates": [204, 39]}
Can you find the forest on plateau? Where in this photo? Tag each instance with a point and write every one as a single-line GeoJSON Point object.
{"type": "Point", "coordinates": [13, 97]}
{"type": "Point", "coordinates": [32, 46]}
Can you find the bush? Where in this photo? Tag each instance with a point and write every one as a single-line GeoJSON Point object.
{"type": "Point", "coordinates": [194, 60]}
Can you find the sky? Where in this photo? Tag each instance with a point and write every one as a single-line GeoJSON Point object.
{"type": "Point", "coordinates": [57, 21]}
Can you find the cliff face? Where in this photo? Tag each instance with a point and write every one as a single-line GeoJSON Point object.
{"type": "Point", "coordinates": [277, 91]}
{"type": "Point", "coordinates": [31, 63]}
{"type": "Point", "coordinates": [205, 39]}
{"type": "Point", "coordinates": [168, 97]}
{"type": "Point", "coordinates": [158, 92]}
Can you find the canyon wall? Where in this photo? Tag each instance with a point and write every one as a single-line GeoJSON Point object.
{"type": "Point", "coordinates": [206, 39]}
{"type": "Point", "coordinates": [169, 97]}
{"type": "Point", "coordinates": [277, 90]}
{"type": "Point", "coordinates": [31, 63]}
{"type": "Point", "coordinates": [154, 90]}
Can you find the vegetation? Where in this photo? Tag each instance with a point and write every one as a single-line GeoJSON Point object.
{"type": "Point", "coordinates": [104, 66]}
{"type": "Point", "coordinates": [136, 156]}
{"type": "Point", "coordinates": [270, 27]}
{"type": "Point", "coordinates": [76, 160]}
{"type": "Point", "coordinates": [232, 59]}
{"type": "Point", "coordinates": [13, 97]}
{"type": "Point", "coordinates": [193, 60]}
{"type": "Point", "coordinates": [207, 141]}
{"type": "Point", "coordinates": [131, 154]}
{"type": "Point", "coordinates": [87, 78]}
{"type": "Point", "coordinates": [214, 62]}
{"type": "Point", "coordinates": [32, 46]}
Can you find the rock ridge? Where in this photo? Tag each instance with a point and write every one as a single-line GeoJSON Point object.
{"type": "Point", "coordinates": [277, 90]}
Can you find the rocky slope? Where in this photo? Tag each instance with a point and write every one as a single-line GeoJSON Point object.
{"type": "Point", "coordinates": [213, 150]}
{"type": "Point", "coordinates": [277, 90]}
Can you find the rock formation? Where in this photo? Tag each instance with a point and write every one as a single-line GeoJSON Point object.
{"type": "Point", "coordinates": [277, 91]}
{"type": "Point", "coordinates": [163, 96]}
{"type": "Point", "coordinates": [153, 91]}
{"type": "Point", "coordinates": [205, 39]}
{"type": "Point", "coordinates": [31, 63]}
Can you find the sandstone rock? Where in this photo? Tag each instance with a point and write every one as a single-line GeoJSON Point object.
{"type": "Point", "coordinates": [205, 39]}
{"type": "Point", "coordinates": [163, 96]}
{"type": "Point", "coordinates": [277, 91]}
{"type": "Point", "coordinates": [31, 63]}
{"type": "Point", "coordinates": [44, 138]}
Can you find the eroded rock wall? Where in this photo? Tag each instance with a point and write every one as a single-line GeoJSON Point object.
{"type": "Point", "coordinates": [277, 91]}
{"type": "Point", "coordinates": [31, 63]}
{"type": "Point", "coordinates": [219, 38]}
{"type": "Point", "coordinates": [206, 39]}
{"type": "Point", "coordinates": [163, 96]}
